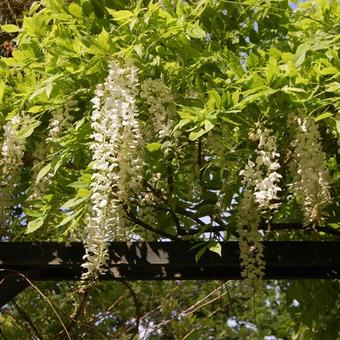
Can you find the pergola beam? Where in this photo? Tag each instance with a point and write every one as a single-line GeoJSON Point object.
{"type": "Point", "coordinates": [161, 261]}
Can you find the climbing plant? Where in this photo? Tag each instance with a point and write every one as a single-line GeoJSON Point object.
{"type": "Point", "coordinates": [206, 120]}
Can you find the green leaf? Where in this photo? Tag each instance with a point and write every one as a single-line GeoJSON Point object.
{"type": "Point", "coordinates": [69, 218]}
{"type": "Point", "coordinates": [83, 192]}
{"type": "Point", "coordinates": [34, 225]}
{"type": "Point", "coordinates": [28, 130]}
{"type": "Point", "coordinates": [194, 135]}
{"type": "Point", "coordinates": [75, 10]}
{"type": "Point", "coordinates": [250, 98]}
{"type": "Point", "coordinates": [205, 210]}
{"type": "Point", "coordinates": [201, 252]}
{"type": "Point", "coordinates": [300, 54]}
{"type": "Point", "coordinates": [215, 99]}
{"type": "Point", "coordinates": [48, 89]}
{"type": "Point", "coordinates": [337, 124]}
{"type": "Point", "coordinates": [323, 116]}
{"type": "Point", "coordinates": [196, 32]}
{"type": "Point", "coordinates": [153, 146]}
{"type": "Point", "coordinates": [235, 97]}
{"type": "Point", "coordinates": [36, 109]}
{"type": "Point", "coordinates": [230, 121]}
{"type": "Point", "coordinates": [103, 39]}
{"type": "Point", "coordinates": [2, 90]}
{"type": "Point", "coordinates": [334, 225]}
{"type": "Point", "coordinates": [74, 202]}
{"type": "Point", "coordinates": [215, 248]}
{"type": "Point", "coordinates": [43, 172]}
{"type": "Point", "coordinates": [333, 87]}
{"type": "Point", "coordinates": [10, 28]}
{"type": "Point", "coordinates": [289, 89]}
{"type": "Point", "coordinates": [32, 213]}
{"type": "Point", "coordinates": [123, 16]}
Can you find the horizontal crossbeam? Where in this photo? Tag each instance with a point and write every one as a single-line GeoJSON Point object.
{"type": "Point", "coordinates": [161, 261]}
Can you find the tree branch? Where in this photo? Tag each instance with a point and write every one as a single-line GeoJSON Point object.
{"type": "Point", "coordinates": [137, 307]}
{"type": "Point", "coordinates": [148, 227]}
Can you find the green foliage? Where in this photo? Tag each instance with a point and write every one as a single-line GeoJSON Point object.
{"type": "Point", "coordinates": [264, 66]}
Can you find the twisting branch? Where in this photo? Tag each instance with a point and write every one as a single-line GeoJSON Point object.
{"type": "Point", "coordinates": [74, 317]}
{"type": "Point", "coordinates": [148, 227]}
{"type": "Point", "coordinates": [137, 304]}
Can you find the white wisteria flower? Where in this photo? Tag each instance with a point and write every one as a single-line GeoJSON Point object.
{"type": "Point", "coordinates": [262, 176]}
{"type": "Point", "coordinates": [158, 97]}
{"type": "Point", "coordinates": [260, 181]}
{"type": "Point", "coordinates": [309, 168]}
{"type": "Point", "coordinates": [117, 162]}
{"type": "Point", "coordinates": [251, 249]}
{"type": "Point", "coordinates": [13, 147]}
{"type": "Point", "coordinates": [12, 152]}
{"type": "Point", "coordinates": [59, 122]}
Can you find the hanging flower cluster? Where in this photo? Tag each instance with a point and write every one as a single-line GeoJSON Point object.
{"type": "Point", "coordinates": [312, 178]}
{"type": "Point", "coordinates": [59, 121]}
{"type": "Point", "coordinates": [158, 97]}
{"type": "Point", "coordinates": [12, 152]}
{"type": "Point", "coordinates": [260, 180]}
{"type": "Point", "coordinates": [251, 249]}
{"type": "Point", "coordinates": [117, 163]}
{"type": "Point", "coordinates": [13, 147]}
{"type": "Point", "coordinates": [262, 175]}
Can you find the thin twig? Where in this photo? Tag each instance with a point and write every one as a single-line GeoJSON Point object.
{"type": "Point", "coordinates": [137, 308]}
{"type": "Point", "coordinates": [148, 227]}
{"type": "Point", "coordinates": [74, 317]}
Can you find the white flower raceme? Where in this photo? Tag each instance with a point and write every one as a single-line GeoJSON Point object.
{"type": "Point", "coordinates": [60, 120]}
{"type": "Point", "coordinates": [158, 97]}
{"type": "Point", "coordinates": [260, 189]}
{"type": "Point", "coordinates": [13, 147]}
{"type": "Point", "coordinates": [117, 162]}
{"type": "Point", "coordinates": [251, 249]}
{"type": "Point", "coordinates": [312, 178]}
{"type": "Point", "coordinates": [262, 175]}
{"type": "Point", "coordinates": [12, 152]}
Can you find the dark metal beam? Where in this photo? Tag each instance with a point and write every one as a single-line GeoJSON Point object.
{"type": "Point", "coordinates": [162, 261]}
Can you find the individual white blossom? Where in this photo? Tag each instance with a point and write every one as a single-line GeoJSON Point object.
{"type": "Point", "coordinates": [309, 168]}
{"type": "Point", "coordinates": [158, 97]}
{"type": "Point", "coordinates": [117, 162]}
